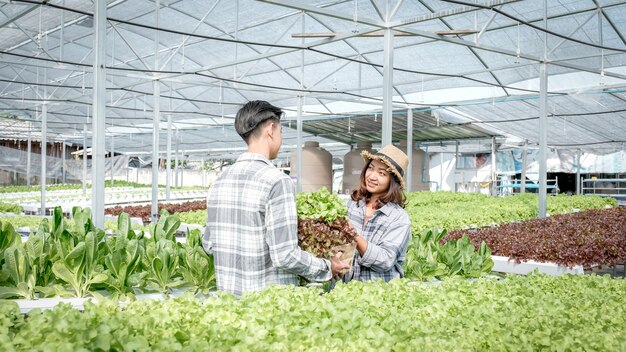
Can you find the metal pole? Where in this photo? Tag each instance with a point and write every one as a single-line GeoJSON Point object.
{"type": "Point", "coordinates": [176, 171]}
{"type": "Point", "coordinates": [522, 185]}
{"type": "Point", "coordinates": [44, 151]}
{"type": "Point", "coordinates": [155, 151]}
{"type": "Point", "coordinates": [299, 148]}
{"type": "Point", "coordinates": [112, 156]}
{"type": "Point", "coordinates": [155, 124]}
{"type": "Point", "coordinates": [99, 118]}
{"type": "Point", "coordinates": [168, 163]}
{"type": "Point", "coordinates": [543, 120]}
{"type": "Point", "coordinates": [299, 121]}
{"type": "Point", "coordinates": [440, 171]}
{"type": "Point", "coordinates": [182, 169]}
{"type": "Point", "coordinates": [63, 162]}
{"type": "Point", "coordinates": [456, 164]}
{"type": "Point", "coordinates": [84, 160]}
{"type": "Point", "coordinates": [28, 156]}
{"type": "Point", "coordinates": [409, 150]}
{"type": "Point", "coordinates": [387, 83]}
{"type": "Point", "coordinates": [578, 155]}
{"type": "Point", "coordinates": [493, 167]}
{"type": "Point", "coordinates": [203, 172]}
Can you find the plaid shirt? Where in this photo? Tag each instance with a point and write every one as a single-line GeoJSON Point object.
{"type": "Point", "coordinates": [252, 229]}
{"type": "Point", "coordinates": [387, 234]}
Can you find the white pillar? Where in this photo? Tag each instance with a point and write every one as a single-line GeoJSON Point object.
{"type": "Point", "coordinates": [168, 162]}
{"type": "Point", "coordinates": [112, 156]}
{"type": "Point", "coordinates": [84, 160]}
{"type": "Point", "coordinates": [63, 165]}
{"type": "Point", "coordinates": [28, 156]}
{"type": "Point", "coordinates": [155, 151]}
{"type": "Point", "coordinates": [387, 123]}
{"type": "Point", "coordinates": [493, 167]}
{"type": "Point", "coordinates": [543, 123]}
{"type": "Point", "coordinates": [44, 151]}
{"type": "Point", "coordinates": [176, 170]}
{"type": "Point", "coordinates": [578, 155]}
{"type": "Point", "coordinates": [408, 173]}
{"type": "Point", "coordinates": [522, 186]}
{"type": "Point", "coordinates": [155, 122]}
{"type": "Point", "coordinates": [99, 118]}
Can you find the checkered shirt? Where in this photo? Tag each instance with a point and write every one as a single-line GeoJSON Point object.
{"type": "Point", "coordinates": [387, 233]}
{"type": "Point", "coordinates": [252, 229]}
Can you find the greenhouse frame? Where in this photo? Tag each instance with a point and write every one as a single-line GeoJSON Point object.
{"type": "Point", "coordinates": [117, 119]}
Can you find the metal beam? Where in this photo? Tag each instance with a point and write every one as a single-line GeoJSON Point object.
{"type": "Point", "coordinates": [305, 6]}
{"type": "Point", "coordinates": [563, 40]}
{"type": "Point", "coordinates": [145, 65]}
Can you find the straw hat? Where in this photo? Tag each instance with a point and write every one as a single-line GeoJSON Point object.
{"type": "Point", "coordinates": [394, 158]}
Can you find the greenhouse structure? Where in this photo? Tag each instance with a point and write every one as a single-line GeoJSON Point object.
{"type": "Point", "coordinates": [117, 118]}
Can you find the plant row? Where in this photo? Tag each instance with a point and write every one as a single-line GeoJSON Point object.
{"type": "Point", "coordinates": [57, 260]}
{"type": "Point", "coordinates": [453, 211]}
{"type": "Point", "coordinates": [145, 211]}
{"type": "Point", "coordinates": [536, 312]}
{"type": "Point", "coordinates": [458, 211]}
{"type": "Point", "coordinates": [592, 237]}
{"type": "Point", "coordinates": [68, 186]}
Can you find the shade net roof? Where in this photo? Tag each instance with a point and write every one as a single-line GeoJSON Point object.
{"type": "Point", "coordinates": [467, 70]}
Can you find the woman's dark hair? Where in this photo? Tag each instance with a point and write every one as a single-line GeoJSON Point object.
{"type": "Point", "coordinates": [394, 193]}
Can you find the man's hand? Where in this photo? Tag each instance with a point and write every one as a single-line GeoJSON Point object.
{"type": "Point", "coordinates": [337, 266]}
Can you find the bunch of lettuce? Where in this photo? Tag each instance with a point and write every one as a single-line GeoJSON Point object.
{"type": "Point", "coordinates": [322, 223]}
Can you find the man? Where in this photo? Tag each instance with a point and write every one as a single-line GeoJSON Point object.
{"type": "Point", "coordinates": [252, 227]}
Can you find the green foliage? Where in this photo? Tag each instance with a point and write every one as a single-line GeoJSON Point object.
{"type": "Point", "coordinates": [10, 208]}
{"type": "Point", "coordinates": [80, 264]}
{"type": "Point", "coordinates": [196, 265]}
{"type": "Point", "coordinates": [320, 204]}
{"type": "Point", "coordinates": [161, 260]}
{"type": "Point", "coordinates": [535, 313]}
{"type": "Point", "coordinates": [428, 258]}
{"type": "Point", "coordinates": [197, 217]}
{"type": "Point", "coordinates": [165, 228]}
{"type": "Point", "coordinates": [19, 272]}
{"type": "Point", "coordinates": [123, 258]}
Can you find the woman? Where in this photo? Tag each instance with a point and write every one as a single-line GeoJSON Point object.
{"type": "Point", "coordinates": [377, 213]}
